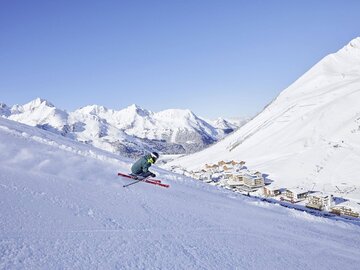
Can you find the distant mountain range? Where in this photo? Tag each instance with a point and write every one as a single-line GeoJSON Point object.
{"type": "Point", "coordinates": [130, 131]}
{"type": "Point", "coordinates": [308, 136]}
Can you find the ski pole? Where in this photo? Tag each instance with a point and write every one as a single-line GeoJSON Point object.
{"type": "Point", "coordinates": [137, 181]}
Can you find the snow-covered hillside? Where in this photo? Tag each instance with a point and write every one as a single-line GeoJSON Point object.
{"type": "Point", "coordinates": [130, 131]}
{"type": "Point", "coordinates": [309, 136]}
{"type": "Point", "coordinates": [63, 207]}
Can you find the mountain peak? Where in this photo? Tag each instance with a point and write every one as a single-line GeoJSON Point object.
{"type": "Point", "coordinates": [355, 43]}
{"type": "Point", "coordinates": [353, 47]}
{"type": "Point", "coordinates": [136, 109]}
{"type": "Point", "coordinates": [177, 114]}
{"type": "Point", "coordinates": [37, 103]}
{"type": "Point", "coordinates": [94, 109]}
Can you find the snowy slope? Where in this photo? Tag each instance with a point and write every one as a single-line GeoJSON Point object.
{"type": "Point", "coordinates": [309, 135]}
{"type": "Point", "coordinates": [63, 207]}
{"type": "Point", "coordinates": [130, 131]}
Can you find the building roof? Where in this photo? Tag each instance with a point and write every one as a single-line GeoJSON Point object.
{"type": "Point", "coordinates": [273, 187]}
{"type": "Point", "coordinates": [297, 190]}
{"type": "Point", "coordinates": [320, 194]}
{"type": "Point", "coordinates": [350, 204]}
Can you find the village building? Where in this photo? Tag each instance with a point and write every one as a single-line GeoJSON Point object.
{"type": "Point", "coordinates": [348, 208]}
{"type": "Point", "coordinates": [221, 163]}
{"type": "Point", "coordinates": [211, 167]}
{"type": "Point", "coordinates": [272, 190]}
{"type": "Point", "coordinates": [231, 163]}
{"type": "Point", "coordinates": [234, 184]}
{"type": "Point", "coordinates": [198, 174]}
{"type": "Point", "coordinates": [195, 175]}
{"type": "Point", "coordinates": [235, 180]}
{"type": "Point", "coordinates": [257, 173]}
{"type": "Point", "coordinates": [252, 183]}
{"type": "Point", "coordinates": [239, 166]}
{"type": "Point", "coordinates": [295, 195]}
{"type": "Point", "coordinates": [206, 176]}
{"type": "Point", "coordinates": [238, 177]}
{"type": "Point", "coordinates": [320, 201]}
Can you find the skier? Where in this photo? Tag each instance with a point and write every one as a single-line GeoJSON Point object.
{"type": "Point", "coordinates": [141, 167]}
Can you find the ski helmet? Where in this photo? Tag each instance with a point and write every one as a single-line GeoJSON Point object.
{"type": "Point", "coordinates": [155, 155]}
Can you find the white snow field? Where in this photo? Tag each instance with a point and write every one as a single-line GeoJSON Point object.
{"type": "Point", "coordinates": [62, 206]}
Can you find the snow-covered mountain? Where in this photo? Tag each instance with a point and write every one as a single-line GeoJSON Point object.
{"type": "Point", "coordinates": [223, 124]}
{"type": "Point", "coordinates": [62, 206]}
{"type": "Point", "coordinates": [309, 135]}
{"type": "Point", "coordinates": [130, 131]}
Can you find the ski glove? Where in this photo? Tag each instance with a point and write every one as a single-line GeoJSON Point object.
{"type": "Point", "coordinates": [153, 175]}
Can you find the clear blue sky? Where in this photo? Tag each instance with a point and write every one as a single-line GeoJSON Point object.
{"type": "Point", "coordinates": [217, 58]}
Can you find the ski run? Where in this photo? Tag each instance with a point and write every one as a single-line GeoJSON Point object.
{"type": "Point", "coordinates": [63, 206]}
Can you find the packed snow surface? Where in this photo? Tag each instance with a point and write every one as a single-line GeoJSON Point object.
{"type": "Point", "coordinates": [62, 206]}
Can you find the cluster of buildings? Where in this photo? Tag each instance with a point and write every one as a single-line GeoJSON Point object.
{"type": "Point", "coordinates": [231, 174]}
{"type": "Point", "coordinates": [315, 200]}
{"type": "Point", "coordinates": [236, 176]}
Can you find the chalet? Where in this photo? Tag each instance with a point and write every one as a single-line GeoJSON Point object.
{"type": "Point", "coordinates": [211, 166]}
{"type": "Point", "coordinates": [231, 163]}
{"type": "Point", "coordinates": [348, 208]}
{"type": "Point", "coordinates": [295, 195]}
{"type": "Point", "coordinates": [227, 169]}
{"type": "Point", "coordinates": [272, 191]}
{"type": "Point", "coordinates": [239, 165]}
{"type": "Point", "coordinates": [221, 163]}
{"type": "Point", "coordinates": [320, 201]}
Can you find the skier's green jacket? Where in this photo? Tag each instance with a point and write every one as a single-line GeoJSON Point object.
{"type": "Point", "coordinates": [142, 165]}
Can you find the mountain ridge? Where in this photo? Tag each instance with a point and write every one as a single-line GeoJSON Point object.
{"type": "Point", "coordinates": [130, 131]}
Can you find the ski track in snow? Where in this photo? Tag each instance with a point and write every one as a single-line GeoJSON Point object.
{"type": "Point", "coordinates": [63, 207]}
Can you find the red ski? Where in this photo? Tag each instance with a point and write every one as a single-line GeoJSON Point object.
{"type": "Point", "coordinates": [146, 180]}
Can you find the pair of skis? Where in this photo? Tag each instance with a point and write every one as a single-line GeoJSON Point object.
{"type": "Point", "coordinates": [145, 180]}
